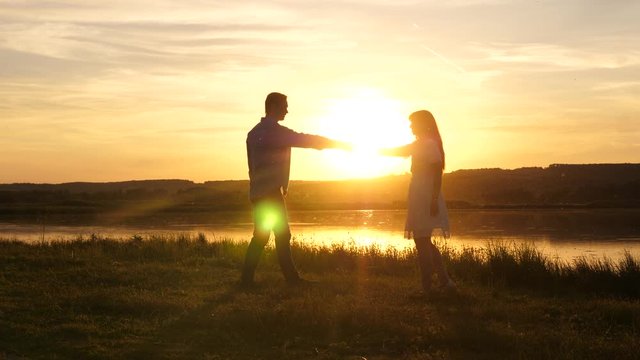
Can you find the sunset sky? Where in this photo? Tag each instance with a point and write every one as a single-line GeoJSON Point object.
{"type": "Point", "coordinates": [99, 90]}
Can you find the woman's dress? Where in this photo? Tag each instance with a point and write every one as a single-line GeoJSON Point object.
{"type": "Point", "coordinates": [425, 153]}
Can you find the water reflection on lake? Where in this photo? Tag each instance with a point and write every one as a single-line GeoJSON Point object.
{"type": "Point", "coordinates": [559, 233]}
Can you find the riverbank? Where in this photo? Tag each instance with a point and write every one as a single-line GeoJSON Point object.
{"type": "Point", "coordinates": [176, 297]}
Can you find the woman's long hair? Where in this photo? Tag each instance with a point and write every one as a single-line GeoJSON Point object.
{"type": "Point", "coordinates": [426, 124]}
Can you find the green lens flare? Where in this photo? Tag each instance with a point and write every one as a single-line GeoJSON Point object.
{"type": "Point", "coordinates": [270, 220]}
{"type": "Point", "coordinates": [268, 217]}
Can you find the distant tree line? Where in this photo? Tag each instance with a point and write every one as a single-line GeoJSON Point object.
{"type": "Point", "coordinates": [595, 185]}
{"type": "Point", "coordinates": [559, 185]}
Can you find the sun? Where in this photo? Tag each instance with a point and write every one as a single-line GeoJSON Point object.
{"type": "Point", "coordinates": [370, 121]}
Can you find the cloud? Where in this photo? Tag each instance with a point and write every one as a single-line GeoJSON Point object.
{"type": "Point", "coordinates": [117, 42]}
{"type": "Point", "coordinates": [577, 126]}
{"type": "Point", "coordinates": [221, 130]}
{"type": "Point", "coordinates": [173, 28]}
{"type": "Point", "coordinates": [26, 65]}
{"type": "Point", "coordinates": [552, 55]}
{"type": "Point", "coordinates": [28, 5]}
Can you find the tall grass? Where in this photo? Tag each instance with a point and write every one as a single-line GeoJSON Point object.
{"type": "Point", "coordinates": [497, 264]}
{"type": "Point", "coordinates": [525, 266]}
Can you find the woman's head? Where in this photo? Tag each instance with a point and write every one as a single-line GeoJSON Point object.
{"type": "Point", "coordinates": [423, 124]}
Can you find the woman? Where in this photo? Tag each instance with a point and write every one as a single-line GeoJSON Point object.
{"type": "Point", "coordinates": [427, 210]}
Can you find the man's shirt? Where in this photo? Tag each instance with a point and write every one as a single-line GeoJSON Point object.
{"type": "Point", "coordinates": [269, 156]}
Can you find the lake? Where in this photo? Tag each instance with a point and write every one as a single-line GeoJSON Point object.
{"type": "Point", "coordinates": [564, 234]}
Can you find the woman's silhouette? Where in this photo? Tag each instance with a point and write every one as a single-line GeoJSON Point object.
{"type": "Point", "coordinates": [426, 206]}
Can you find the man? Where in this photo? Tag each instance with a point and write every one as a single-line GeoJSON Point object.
{"type": "Point", "coordinates": [269, 156]}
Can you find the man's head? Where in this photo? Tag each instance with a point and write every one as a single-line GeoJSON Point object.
{"type": "Point", "coordinates": [275, 106]}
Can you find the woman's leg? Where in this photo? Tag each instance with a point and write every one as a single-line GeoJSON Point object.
{"type": "Point", "coordinates": [436, 259]}
{"type": "Point", "coordinates": [425, 262]}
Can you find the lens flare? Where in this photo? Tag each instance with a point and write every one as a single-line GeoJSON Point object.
{"type": "Point", "coordinates": [268, 216]}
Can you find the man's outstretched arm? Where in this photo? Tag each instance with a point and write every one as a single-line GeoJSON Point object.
{"type": "Point", "coordinates": [319, 142]}
{"type": "Point", "coordinates": [288, 137]}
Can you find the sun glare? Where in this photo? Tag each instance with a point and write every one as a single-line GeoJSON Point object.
{"type": "Point", "coordinates": [370, 121]}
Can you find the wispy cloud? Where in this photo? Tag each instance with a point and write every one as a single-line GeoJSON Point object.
{"type": "Point", "coordinates": [443, 58]}
{"type": "Point", "coordinates": [552, 55]}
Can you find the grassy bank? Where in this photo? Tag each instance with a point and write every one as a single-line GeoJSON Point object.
{"type": "Point", "coordinates": [175, 297]}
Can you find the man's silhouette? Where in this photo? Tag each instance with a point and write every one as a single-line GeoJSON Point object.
{"type": "Point", "coordinates": [269, 156]}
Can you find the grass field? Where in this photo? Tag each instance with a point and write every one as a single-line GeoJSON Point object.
{"type": "Point", "coordinates": [175, 297]}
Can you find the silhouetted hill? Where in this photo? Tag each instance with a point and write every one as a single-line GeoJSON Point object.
{"type": "Point", "coordinates": [591, 185]}
{"type": "Point", "coordinates": [559, 185]}
{"type": "Point", "coordinates": [93, 187]}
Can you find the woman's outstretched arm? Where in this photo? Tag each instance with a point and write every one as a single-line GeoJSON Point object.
{"type": "Point", "coordinates": [402, 151]}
